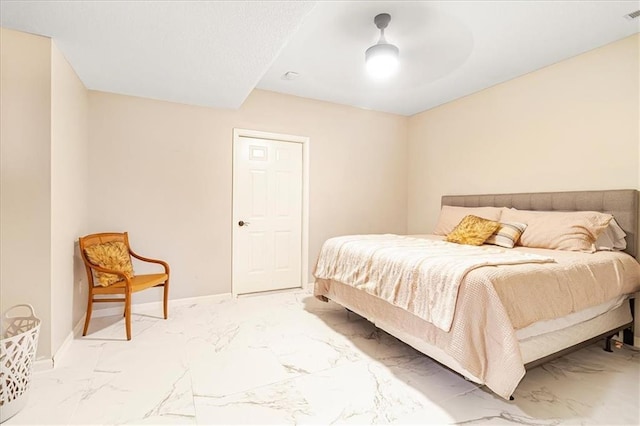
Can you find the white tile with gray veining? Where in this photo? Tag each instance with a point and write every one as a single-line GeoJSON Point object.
{"type": "Point", "coordinates": [287, 358]}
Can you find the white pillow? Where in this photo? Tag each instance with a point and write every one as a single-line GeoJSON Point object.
{"type": "Point", "coordinates": [612, 238]}
{"type": "Point", "coordinates": [451, 216]}
{"type": "Point", "coordinates": [573, 231]}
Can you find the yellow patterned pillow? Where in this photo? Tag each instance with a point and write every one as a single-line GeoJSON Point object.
{"type": "Point", "coordinates": [112, 255]}
{"type": "Point", "coordinates": [473, 230]}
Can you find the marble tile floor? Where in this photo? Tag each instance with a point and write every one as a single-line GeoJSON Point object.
{"type": "Point", "coordinates": [287, 358]}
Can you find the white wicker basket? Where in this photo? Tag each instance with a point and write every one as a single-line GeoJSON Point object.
{"type": "Point", "coordinates": [17, 353]}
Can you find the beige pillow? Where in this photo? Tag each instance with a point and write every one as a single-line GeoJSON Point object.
{"type": "Point", "coordinates": [113, 255]}
{"type": "Point", "coordinates": [612, 238]}
{"type": "Point", "coordinates": [507, 235]}
{"type": "Point", "coordinates": [472, 230]}
{"type": "Point", "coordinates": [451, 216]}
{"type": "Point", "coordinates": [573, 231]}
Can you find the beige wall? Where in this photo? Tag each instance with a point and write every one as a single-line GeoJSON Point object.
{"type": "Point", "coordinates": [44, 146]}
{"type": "Point", "coordinates": [570, 126]}
{"type": "Point", "coordinates": [163, 172]}
{"type": "Point", "coordinates": [25, 134]}
{"type": "Point", "coordinates": [69, 195]}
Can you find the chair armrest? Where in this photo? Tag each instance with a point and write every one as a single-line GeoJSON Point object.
{"type": "Point", "coordinates": [149, 260]}
{"type": "Point", "coordinates": [108, 271]}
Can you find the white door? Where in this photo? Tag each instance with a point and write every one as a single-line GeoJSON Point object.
{"type": "Point", "coordinates": [267, 215]}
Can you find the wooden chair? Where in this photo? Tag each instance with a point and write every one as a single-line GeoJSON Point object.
{"type": "Point", "coordinates": [126, 286]}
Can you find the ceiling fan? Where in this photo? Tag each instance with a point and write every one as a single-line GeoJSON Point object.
{"type": "Point", "coordinates": [381, 59]}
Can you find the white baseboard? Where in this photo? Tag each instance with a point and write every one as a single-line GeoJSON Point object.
{"type": "Point", "coordinates": [78, 327]}
{"type": "Point", "coordinates": [49, 363]}
{"type": "Point", "coordinates": [67, 342]}
{"type": "Point", "coordinates": [43, 365]}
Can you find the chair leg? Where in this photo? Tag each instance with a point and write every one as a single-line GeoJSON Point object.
{"type": "Point", "coordinates": [166, 299]}
{"type": "Point", "coordinates": [88, 315]}
{"type": "Point", "coordinates": [127, 313]}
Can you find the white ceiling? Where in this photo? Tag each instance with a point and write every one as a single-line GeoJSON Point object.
{"type": "Point", "coordinates": [447, 49]}
{"type": "Point", "coordinates": [193, 52]}
{"type": "Point", "coordinates": [215, 53]}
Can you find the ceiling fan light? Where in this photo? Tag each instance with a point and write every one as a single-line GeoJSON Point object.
{"type": "Point", "coordinates": [382, 60]}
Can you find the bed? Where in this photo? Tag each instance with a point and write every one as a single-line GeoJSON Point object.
{"type": "Point", "coordinates": [495, 332]}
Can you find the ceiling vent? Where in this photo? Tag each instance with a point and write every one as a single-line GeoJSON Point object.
{"type": "Point", "coordinates": [290, 75]}
{"type": "Point", "coordinates": [633, 15]}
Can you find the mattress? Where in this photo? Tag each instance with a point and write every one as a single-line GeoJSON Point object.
{"type": "Point", "coordinates": [528, 292]}
{"type": "Point", "coordinates": [540, 346]}
{"type": "Point", "coordinates": [548, 326]}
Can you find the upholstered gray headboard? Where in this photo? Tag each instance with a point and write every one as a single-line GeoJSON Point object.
{"type": "Point", "coordinates": [621, 203]}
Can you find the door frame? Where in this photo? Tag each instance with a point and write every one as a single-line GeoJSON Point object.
{"type": "Point", "coordinates": [305, 141]}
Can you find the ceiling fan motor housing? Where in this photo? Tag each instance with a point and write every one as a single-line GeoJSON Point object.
{"type": "Point", "coordinates": [381, 49]}
{"type": "Point", "coordinates": [382, 20]}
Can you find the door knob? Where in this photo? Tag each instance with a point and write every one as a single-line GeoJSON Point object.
{"type": "Point", "coordinates": [243, 223]}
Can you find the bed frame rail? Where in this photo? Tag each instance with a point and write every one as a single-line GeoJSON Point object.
{"type": "Point", "coordinates": [606, 335]}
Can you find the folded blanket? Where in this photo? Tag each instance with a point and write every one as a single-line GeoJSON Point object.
{"type": "Point", "coordinates": [419, 275]}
